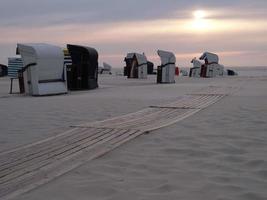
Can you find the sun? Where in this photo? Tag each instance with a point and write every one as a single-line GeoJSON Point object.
{"type": "Point", "coordinates": [199, 14]}
{"type": "Point", "coordinates": [200, 23]}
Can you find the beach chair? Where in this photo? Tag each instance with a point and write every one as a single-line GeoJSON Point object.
{"type": "Point", "coordinates": [211, 68]}
{"type": "Point", "coordinates": [105, 69]}
{"type": "Point", "coordinates": [43, 72]}
{"type": "Point", "coordinates": [166, 71]}
{"type": "Point", "coordinates": [82, 74]}
{"type": "Point", "coordinates": [136, 66]}
{"type": "Point", "coordinates": [195, 70]}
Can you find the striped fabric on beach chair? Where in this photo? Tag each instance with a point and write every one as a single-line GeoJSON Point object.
{"type": "Point", "coordinates": [14, 65]}
{"type": "Point", "coordinates": [67, 58]}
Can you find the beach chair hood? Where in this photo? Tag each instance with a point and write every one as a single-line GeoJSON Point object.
{"type": "Point", "coordinates": [210, 58]}
{"type": "Point", "coordinates": [141, 58]}
{"type": "Point", "coordinates": [49, 59]}
{"type": "Point", "coordinates": [166, 57]}
{"type": "Point", "coordinates": [166, 71]}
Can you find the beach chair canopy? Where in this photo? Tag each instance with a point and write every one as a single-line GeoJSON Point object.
{"type": "Point", "coordinates": [129, 56]}
{"type": "Point", "coordinates": [141, 58]}
{"type": "Point", "coordinates": [210, 58]}
{"type": "Point", "coordinates": [166, 57]}
{"type": "Point", "coordinates": [84, 55]}
{"type": "Point", "coordinates": [49, 59]}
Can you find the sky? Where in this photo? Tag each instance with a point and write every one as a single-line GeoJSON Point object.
{"type": "Point", "coordinates": [234, 29]}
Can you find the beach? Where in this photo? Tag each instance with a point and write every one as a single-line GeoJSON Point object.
{"type": "Point", "coordinates": [217, 153]}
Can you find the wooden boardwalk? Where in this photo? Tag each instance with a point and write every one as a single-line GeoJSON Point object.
{"type": "Point", "coordinates": [25, 168]}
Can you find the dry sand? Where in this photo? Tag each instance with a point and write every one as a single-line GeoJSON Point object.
{"type": "Point", "coordinates": [219, 153]}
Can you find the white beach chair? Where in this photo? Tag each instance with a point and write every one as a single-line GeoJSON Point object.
{"type": "Point", "coordinates": [43, 71]}
{"type": "Point", "coordinates": [211, 68]}
{"type": "Point", "coordinates": [166, 71]}
{"type": "Point", "coordinates": [136, 66]}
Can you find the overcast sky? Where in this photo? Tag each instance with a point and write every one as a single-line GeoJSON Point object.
{"type": "Point", "coordinates": [236, 29]}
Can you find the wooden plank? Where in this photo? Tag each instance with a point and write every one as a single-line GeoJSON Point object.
{"type": "Point", "coordinates": [120, 122]}
{"type": "Point", "coordinates": [153, 121]}
{"type": "Point", "coordinates": [45, 147]}
{"type": "Point", "coordinates": [21, 164]}
{"type": "Point", "coordinates": [194, 104]}
{"type": "Point", "coordinates": [167, 122]}
{"type": "Point", "coordinates": [25, 148]}
{"type": "Point", "coordinates": [139, 121]}
{"type": "Point", "coordinates": [59, 168]}
{"type": "Point", "coordinates": [46, 159]}
{"type": "Point", "coordinates": [136, 123]}
{"type": "Point", "coordinates": [114, 119]}
{"type": "Point", "coordinates": [186, 101]}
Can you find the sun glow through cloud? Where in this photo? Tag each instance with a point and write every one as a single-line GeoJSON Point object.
{"type": "Point", "coordinates": [199, 23]}
{"type": "Point", "coordinates": [199, 14]}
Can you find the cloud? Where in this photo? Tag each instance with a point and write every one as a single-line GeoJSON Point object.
{"type": "Point", "coordinates": [116, 27]}
{"type": "Point", "coordinates": [40, 13]}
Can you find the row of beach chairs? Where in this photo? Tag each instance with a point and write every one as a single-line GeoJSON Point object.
{"type": "Point", "coordinates": [44, 69]}
{"type": "Point", "coordinates": [137, 66]}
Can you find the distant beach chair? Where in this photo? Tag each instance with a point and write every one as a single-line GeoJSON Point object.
{"type": "Point", "coordinates": [230, 72]}
{"type": "Point", "coordinates": [166, 71]}
{"type": "Point", "coordinates": [211, 68]}
{"type": "Point", "coordinates": [210, 58]}
{"type": "Point", "coordinates": [105, 69]}
{"type": "Point", "coordinates": [136, 66]}
{"type": "Point", "coordinates": [183, 72]}
{"type": "Point", "coordinates": [195, 70]}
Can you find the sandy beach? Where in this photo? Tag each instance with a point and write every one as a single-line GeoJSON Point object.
{"type": "Point", "coordinates": [133, 100]}
{"type": "Point", "coordinates": [218, 153]}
